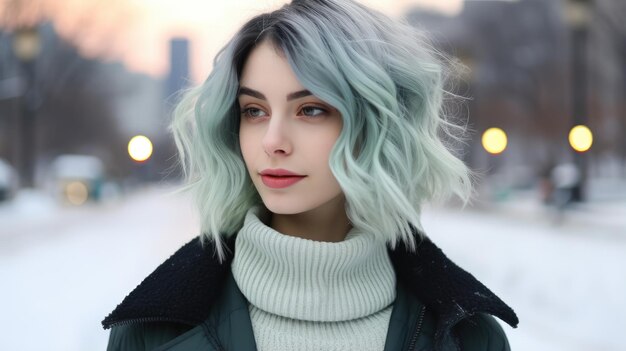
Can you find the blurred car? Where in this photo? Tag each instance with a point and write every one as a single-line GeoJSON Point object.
{"type": "Point", "coordinates": [8, 181]}
{"type": "Point", "coordinates": [77, 179]}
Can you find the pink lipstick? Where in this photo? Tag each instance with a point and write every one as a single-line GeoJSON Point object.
{"type": "Point", "coordinates": [279, 178]}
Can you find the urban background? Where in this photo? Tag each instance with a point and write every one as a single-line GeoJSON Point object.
{"type": "Point", "coordinates": [88, 168]}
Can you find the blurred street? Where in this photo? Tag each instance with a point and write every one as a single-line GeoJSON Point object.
{"type": "Point", "coordinates": [88, 89]}
{"type": "Point", "coordinates": [64, 268]}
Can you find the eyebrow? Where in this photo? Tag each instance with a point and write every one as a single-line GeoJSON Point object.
{"type": "Point", "coordinates": [257, 94]}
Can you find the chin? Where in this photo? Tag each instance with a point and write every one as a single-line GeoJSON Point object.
{"type": "Point", "coordinates": [283, 208]}
{"type": "Point", "coordinates": [285, 205]}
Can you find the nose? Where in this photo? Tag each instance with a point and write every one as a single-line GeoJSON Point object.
{"type": "Point", "coordinates": [276, 140]}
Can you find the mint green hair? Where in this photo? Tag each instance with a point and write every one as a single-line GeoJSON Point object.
{"type": "Point", "coordinates": [388, 84]}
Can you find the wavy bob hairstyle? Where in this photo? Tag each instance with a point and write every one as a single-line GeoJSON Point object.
{"type": "Point", "coordinates": [388, 84]}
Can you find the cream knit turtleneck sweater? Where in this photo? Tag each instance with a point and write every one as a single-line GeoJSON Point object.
{"type": "Point", "coordinates": [311, 295]}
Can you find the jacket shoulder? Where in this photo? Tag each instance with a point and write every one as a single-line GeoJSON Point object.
{"type": "Point", "coordinates": [143, 336]}
{"type": "Point", "coordinates": [481, 332]}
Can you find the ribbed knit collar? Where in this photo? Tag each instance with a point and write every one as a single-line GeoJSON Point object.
{"type": "Point", "coordinates": [312, 280]}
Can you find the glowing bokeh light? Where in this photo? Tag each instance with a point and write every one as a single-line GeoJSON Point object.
{"type": "Point", "coordinates": [494, 140]}
{"type": "Point", "coordinates": [76, 193]}
{"type": "Point", "coordinates": [140, 148]}
{"type": "Point", "coordinates": [580, 138]}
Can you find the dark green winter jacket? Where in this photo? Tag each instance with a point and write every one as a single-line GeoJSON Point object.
{"type": "Point", "coordinates": [191, 302]}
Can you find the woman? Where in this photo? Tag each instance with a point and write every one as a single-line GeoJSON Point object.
{"type": "Point", "coordinates": [310, 149]}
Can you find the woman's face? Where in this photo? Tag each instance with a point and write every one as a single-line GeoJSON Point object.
{"type": "Point", "coordinates": [284, 127]}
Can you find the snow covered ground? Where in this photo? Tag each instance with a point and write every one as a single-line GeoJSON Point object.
{"type": "Point", "coordinates": [566, 283]}
{"type": "Point", "coordinates": [63, 269]}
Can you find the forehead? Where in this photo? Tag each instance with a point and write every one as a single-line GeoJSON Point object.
{"type": "Point", "coordinates": [266, 69]}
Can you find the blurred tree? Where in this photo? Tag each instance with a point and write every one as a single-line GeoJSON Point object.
{"type": "Point", "coordinates": [77, 107]}
{"type": "Point", "coordinates": [519, 57]}
{"type": "Point", "coordinates": [516, 55]}
{"type": "Point", "coordinates": [77, 97]}
{"type": "Point", "coordinates": [608, 81]}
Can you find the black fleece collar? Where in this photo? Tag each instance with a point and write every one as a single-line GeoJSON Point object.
{"type": "Point", "coordinates": [184, 287]}
{"type": "Point", "coordinates": [446, 288]}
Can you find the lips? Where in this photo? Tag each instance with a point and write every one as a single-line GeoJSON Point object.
{"type": "Point", "coordinates": [279, 178]}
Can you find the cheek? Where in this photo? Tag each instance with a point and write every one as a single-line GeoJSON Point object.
{"type": "Point", "coordinates": [332, 138]}
{"type": "Point", "coordinates": [322, 149]}
{"type": "Point", "coordinates": [246, 146]}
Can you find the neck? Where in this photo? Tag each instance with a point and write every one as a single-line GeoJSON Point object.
{"type": "Point", "coordinates": [328, 223]}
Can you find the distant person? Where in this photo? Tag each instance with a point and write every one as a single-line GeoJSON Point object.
{"type": "Point", "coordinates": [310, 149]}
{"type": "Point", "coordinates": [546, 185]}
{"type": "Point", "coordinates": [565, 179]}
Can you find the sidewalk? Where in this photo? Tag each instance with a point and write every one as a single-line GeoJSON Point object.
{"type": "Point", "coordinates": [597, 216]}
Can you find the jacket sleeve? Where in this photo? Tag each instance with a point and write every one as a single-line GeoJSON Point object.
{"type": "Point", "coordinates": [481, 333]}
{"type": "Point", "coordinates": [140, 337]}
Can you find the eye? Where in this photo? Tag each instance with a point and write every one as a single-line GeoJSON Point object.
{"type": "Point", "coordinates": [313, 111]}
{"type": "Point", "coordinates": [252, 112]}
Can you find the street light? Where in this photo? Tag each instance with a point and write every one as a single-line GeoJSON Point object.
{"type": "Point", "coordinates": [26, 44]}
{"type": "Point", "coordinates": [494, 141]}
{"type": "Point", "coordinates": [578, 17]}
{"type": "Point", "coordinates": [580, 138]}
{"type": "Point", "coordinates": [139, 148]}
{"type": "Point", "coordinates": [26, 47]}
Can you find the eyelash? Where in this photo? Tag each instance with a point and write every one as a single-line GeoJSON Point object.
{"type": "Point", "coordinates": [323, 112]}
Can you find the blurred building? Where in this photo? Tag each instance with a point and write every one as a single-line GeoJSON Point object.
{"type": "Point", "coordinates": [178, 77]}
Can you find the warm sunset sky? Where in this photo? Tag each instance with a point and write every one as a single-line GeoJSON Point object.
{"type": "Point", "coordinates": [137, 31]}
